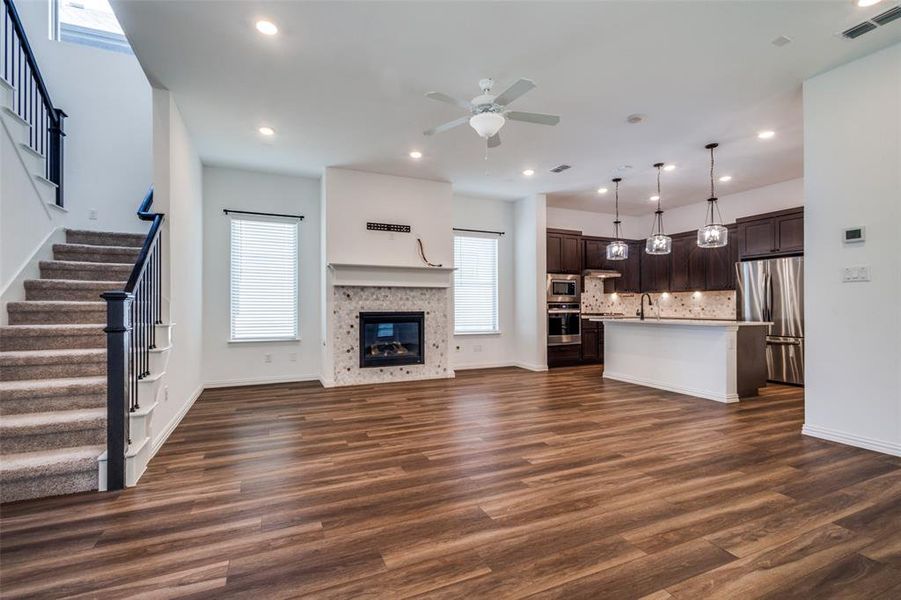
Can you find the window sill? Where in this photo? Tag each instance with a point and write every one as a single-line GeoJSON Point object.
{"type": "Point", "coordinates": [456, 333]}
{"type": "Point", "coordinates": [264, 340]}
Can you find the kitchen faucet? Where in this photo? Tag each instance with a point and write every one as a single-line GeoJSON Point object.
{"type": "Point", "coordinates": [650, 303]}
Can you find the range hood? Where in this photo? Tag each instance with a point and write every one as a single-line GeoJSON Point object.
{"type": "Point", "coordinates": [601, 273]}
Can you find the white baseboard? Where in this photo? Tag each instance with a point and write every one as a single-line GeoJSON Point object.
{"type": "Point", "coordinates": [699, 393]}
{"type": "Point", "coordinates": [488, 365]}
{"type": "Point", "coordinates": [221, 383]}
{"type": "Point", "coordinates": [530, 366]}
{"type": "Point", "coordinates": [851, 439]}
{"type": "Point", "coordinates": [173, 423]}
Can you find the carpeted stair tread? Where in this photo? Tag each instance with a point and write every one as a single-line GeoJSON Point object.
{"type": "Point", "coordinates": [78, 267]}
{"type": "Point", "coordinates": [92, 253]}
{"type": "Point", "coordinates": [56, 421]}
{"type": "Point", "coordinates": [59, 461]}
{"type": "Point", "coordinates": [36, 312]}
{"type": "Point", "coordinates": [36, 388]}
{"type": "Point", "coordinates": [50, 357]}
{"type": "Point", "coordinates": [65, 290]}
{"type": "Point", "coordinates": [52, 329]}
{"type": "Point", "coordinates": [104, 238]}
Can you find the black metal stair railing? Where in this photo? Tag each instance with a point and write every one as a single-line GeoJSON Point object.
{"type": "Point", "coordinates": [31, 100]}
{"type": "Point", "coordinates": [133, 315]}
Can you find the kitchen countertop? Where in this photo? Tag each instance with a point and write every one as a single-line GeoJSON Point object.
{"type": "Point", "coordinates": [684, 322]}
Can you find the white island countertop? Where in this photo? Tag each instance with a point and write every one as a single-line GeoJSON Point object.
{"type": "Point", "coordinates": [684, 322]}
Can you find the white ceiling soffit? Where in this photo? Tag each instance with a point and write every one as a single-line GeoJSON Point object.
{"type": "Point", "coordinates": [343, 84]}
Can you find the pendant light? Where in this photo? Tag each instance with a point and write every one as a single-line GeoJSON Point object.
{"type": "Point", "coordinates": [617, 249]}
{"type": "Point", "coordinates": [659, 242]}
{"type": "Point", "coordinates": [713, 234]}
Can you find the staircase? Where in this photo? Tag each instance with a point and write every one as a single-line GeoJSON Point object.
{"type": "Point", "coordinates": [53, 377]}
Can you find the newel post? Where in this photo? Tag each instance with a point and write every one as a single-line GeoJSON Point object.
{"type": "Point", "coordinates": [118, 333]}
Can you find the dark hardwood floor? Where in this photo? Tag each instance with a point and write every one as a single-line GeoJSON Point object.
{"type": "Point", "coordinates": [497, 484]}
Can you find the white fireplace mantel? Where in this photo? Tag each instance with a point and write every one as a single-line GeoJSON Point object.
{"type": "Point", "coordinates": [365, 275]}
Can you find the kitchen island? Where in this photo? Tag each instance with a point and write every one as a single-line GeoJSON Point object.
{"type": "Point", "coordinates": [717, 360]}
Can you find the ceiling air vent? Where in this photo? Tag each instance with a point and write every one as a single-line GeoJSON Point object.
{"type": "Point", "coordinates": [858, 30]}
{"type": "Point", "coordinates": [560, 169]}
{"type": "Point", "coordinates": [888, 16]}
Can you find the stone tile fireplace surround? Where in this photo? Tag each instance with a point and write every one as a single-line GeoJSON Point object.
{"type": "Point", "coordinates": [348, 301]}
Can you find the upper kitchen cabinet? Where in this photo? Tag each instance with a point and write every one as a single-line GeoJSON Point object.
{"type": "Point", "coordinates": [771, 234]}
{"type": "Point", "coordinates": [594, 253]}
{"type": "Point", "coordinates": [655, 272]}
{"type": "Point", "coordinates": [721, 263]}
{"type": "Point", "coordinates": [564, 251]}
{"type": "Point", "coordinates": [594, 256]}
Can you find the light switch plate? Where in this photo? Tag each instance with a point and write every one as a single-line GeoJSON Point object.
{"type": "Point", "coordinates": [855, 274]}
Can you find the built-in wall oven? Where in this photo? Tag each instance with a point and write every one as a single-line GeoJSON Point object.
{"type": "Point", "coordinates": [563, 323]}
{"type": "Point", "coordinates": [563, 288]}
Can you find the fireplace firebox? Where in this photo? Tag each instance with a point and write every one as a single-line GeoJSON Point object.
{"type": "Point", "coordinates": [389, 339]}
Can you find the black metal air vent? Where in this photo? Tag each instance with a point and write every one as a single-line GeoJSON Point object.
{"type": "Point", "coordinates": [888, 16]}
{"type": "Point", "coordinates": [858, 30]}
{"type": "Point", "coordinates": [560, 169]}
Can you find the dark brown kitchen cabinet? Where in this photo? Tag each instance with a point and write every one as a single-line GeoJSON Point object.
{"type": "Point", "coordinates": [655, 272]}
{"type": "Point", "coordinates": [631, 270]}
{"type": "Point", "coordinates": [564, 251]}
{"type": "Point", "coordinates": [772, 234]}
{"type": "Point", "coordinates": [594, 254]}
{"type": "Point", "coordinates": [721, 263]}
{"type": "Point", "coordinates": [592, 342]}
{"type": "Point", "coordinates": [564, 356]}
{"type": "Point", "coordinates": [679, 268]}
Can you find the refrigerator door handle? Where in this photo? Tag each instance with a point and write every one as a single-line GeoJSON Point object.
{"type": "Point", "coordinates": [768, 297]}
{"type": "Point", "coordinates": [784, 342]}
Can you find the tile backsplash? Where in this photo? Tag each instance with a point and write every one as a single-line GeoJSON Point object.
{"type": "Point", "coordinates": [685, 305]}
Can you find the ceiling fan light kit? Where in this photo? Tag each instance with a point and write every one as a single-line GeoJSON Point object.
{"type": "Point", "coordinates": [713, 234]}
{"type": "Point", "coordinates": [658, 242]}
{"type": "Point", "coordinates": [487, 124]}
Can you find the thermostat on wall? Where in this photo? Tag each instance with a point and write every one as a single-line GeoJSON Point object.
{"type": "Point", "coordinates": [853, 235]}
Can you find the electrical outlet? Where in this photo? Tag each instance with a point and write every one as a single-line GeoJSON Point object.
{"type": "Point", "coordinates": [92, 214]}
{"type": "Point", "coordinates": [458, 348]}
{"type": "Point", "coordinates": [293, 357]}
{"type": "Point", "coordinates": [267, 358]}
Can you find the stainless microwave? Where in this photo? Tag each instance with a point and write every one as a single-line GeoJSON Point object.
{"type": "Point", "coordinates": [563, 288]}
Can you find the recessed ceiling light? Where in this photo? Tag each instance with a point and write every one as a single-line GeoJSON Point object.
{"type": "Point", "coordinates": [669, 168]}
{"type": "Point", "coordinates": [528, 172]}
{"type": "Point", "coordinates": [602, 190]}
{"type": "Point", "coordinates": [267, 131]}
{"type": "Point", "coordinates": [654, 198]}
{"type": "Point", "coordinates": [726, 178]}
{"type": "Point", "coordinates": [416, 154]}
{"type": "Point", "coordinates": [765, 134]}
{"type": "Point", "coordinates": [636, 118]}
{"type": "Point", "coordinates": [267, 27]}
{"type": "Point", "coordinates": [866, 3]}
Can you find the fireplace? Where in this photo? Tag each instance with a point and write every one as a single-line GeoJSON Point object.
{"type": "Point", "coordinates": [390, 339]}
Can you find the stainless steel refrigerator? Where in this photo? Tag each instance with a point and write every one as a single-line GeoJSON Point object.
{"type": "Point", "coordinates": [773, 290]}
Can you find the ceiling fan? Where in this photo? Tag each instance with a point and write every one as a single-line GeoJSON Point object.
{"type": "Point", "coordinates": [488, 113]}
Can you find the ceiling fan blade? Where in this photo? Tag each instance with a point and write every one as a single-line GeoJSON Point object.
{"type": "Point", "coordinates": [446, 126]}
{"type": "Point", "coordinates": [494, 141]}
{"type": "Point", "coordinates": [528, 117]}
{"type": "Point", "coordinates": [464, 104]}
{"type": "Point", "coordinates": [514, 91]}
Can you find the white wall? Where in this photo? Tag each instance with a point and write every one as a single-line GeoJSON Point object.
{"type": "Point", "coordinates": [768, 198]}
{"type": "Point", "coordinates": [108, 146]}
{"type": "Point", "coordinates": [530, 266]}
{"type": "Point", "coordinates": [483, 351]}
{"type": "Point", "coordinates": [227, 363]}
{"type": "Point", "coordinates": [178, 192]}
{"type": "Point", "coordinates": [352, 198]}
{"type": "Point", "coordinates": [852, 173]}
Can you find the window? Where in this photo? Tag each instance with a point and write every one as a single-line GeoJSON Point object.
{"type": "Point", "coordinates": [263, 279]}
{"type": "Point", "coordinates": [88, 22]}
{"type": "Point", "coordinates": [475, 284]}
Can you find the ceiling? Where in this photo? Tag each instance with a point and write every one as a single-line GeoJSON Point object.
{"type": "Point", "coordinates": [343, 84]}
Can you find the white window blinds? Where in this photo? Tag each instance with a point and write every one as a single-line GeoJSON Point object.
{"type": "Point", "coordinates": [263, 279]}
{"type": "Point", "coordinates": [475, 284]}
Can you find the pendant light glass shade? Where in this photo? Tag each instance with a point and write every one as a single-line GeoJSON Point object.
{"type": "Point", "coordinates": [617, 249]}
{"type": "Point", "coordinates": [713, 234]}
{"type": "Point", "coordinates": [658, 242]}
